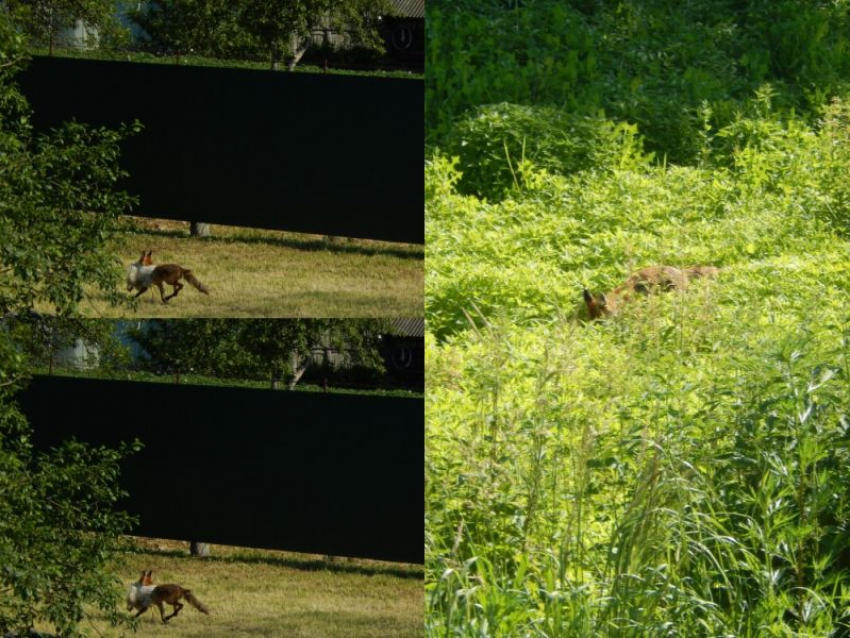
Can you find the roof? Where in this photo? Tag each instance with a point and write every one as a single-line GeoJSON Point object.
{"type": "Point", "coordinates": [409, 327]}
{"type": "Point", "coordinates": [410, 8]}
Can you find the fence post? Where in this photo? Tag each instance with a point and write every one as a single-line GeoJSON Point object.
{"type": "Point", "coordinates": [199, 229]}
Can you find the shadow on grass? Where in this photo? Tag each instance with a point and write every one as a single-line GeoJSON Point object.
{"type": "Point", "coordinates": [317, 564]}
{"type": "Point", "coordinates": [297, 243]}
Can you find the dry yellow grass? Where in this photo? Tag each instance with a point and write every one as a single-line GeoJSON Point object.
{"type": "Point", "coordinates": [272, 594]}
{"type": "Point", "coordinates": [272, 274]}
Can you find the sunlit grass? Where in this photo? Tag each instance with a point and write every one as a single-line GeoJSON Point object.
{"type": "Point", "coordinates": [254, 593]}
{"type": "Point", "coordinates": [198, 60]}
{"type": "Point", "coordinates": [253, 273]}
{"type": "Point", "coordinates": [198, 379]}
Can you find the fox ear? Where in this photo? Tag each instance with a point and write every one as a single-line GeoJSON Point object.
{"type": "Point", "coordinates": [588, 298]}
{"type": "Point", "coordinates": [601, 300]}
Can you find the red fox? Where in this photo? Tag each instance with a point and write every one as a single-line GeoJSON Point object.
{"type": "Point", "coordinates": [145, 594]}
{"type": "Point", "coordinates": [139, 595]}
{"type": "Point", "coordinates": [644, 281]}
{"type": "Point", "coordinates": [143, 274]}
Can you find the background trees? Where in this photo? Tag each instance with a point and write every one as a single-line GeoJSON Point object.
{"type": "Point", "coordinates": [207, 27]}
{"type": "Point", "coordinates": [258, 349]}
{"type": "Point", "coordinates": [258, 28]}
{"type": "Point", "coordinates": [44, 20]}
{"type": "Point", "coordinates": [655, 64]}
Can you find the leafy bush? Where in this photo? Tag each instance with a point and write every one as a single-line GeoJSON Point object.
{"type": "Point", "coordinates": [493, 142]}
{"type": "Point", "coordinates": [678, 467]}
{"type": "Point", "coordinates": [651, 63]}
{"type": "Point", "coordinates": [59, 527]}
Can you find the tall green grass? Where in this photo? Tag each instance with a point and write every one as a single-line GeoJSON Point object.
{"type": "Point", "coordinates": [680, 470]}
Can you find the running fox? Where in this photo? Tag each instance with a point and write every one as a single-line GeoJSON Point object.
{"type": "Point", "coordinates": [143, 274]}
{"type": "Point", "coordinates": [144, 594]}
{"type": "Point", "coordinates": [644, 281]}
{"type": "Point", "coordinates": [139, 594]}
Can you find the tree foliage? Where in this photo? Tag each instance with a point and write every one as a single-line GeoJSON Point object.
{"type": "Point", "coordinates": [58, 525]}
{"type": "Point", "coordinates": [652, 63]}
{"type": "Point", "coordinates": [44, 20]}
{"type": "Point", "coordinates": [285, 28]}
{"type": "Point", "coordinates": [43, 337]}
{"type": "Point", "coordinates": [257, 348]}
{"type": "Point", "coordinates": [57, 530]}
{"type": "Point", "coordinates": [58, 203]}
{"type": "Point", "coordinates": [205, 27]}
{"type": "Point", "coordinates": [58, 209]}
{"type": "Point", "coordinates": [258, 28]}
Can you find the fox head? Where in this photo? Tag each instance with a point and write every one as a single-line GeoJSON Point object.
{"type": "Point", "coordinates": [146, 577]}
{"type": "Point", "coordinates": [146, 258]}
{"type": "Point", "coordinates": [598, 306]}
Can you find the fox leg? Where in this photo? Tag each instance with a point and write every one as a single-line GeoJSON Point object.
{"type": "Point", "coordinates": [141, 611]}
{"type": "Point", "coordinates": [177, 607]}
{"type": "Point", "coordinates": [177, 288]}
{"type": "Point", "coordinates": [162, 292]}
{"type": "Point", "coordinates": [162, 612]}
{"type": "Point", "coordinates": [141, 292]}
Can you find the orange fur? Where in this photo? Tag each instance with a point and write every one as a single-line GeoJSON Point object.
{"type": "Point", "coordinates": [143, 275]}
{"type": "Point", "coordinates": [644, 281]}
{"type": "Point", "coordinates": [169, 594]}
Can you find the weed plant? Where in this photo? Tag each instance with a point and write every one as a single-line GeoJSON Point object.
{"type": "Point", "coordinates": [681, 469]}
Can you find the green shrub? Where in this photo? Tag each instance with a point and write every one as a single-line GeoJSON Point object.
{"type": "Point", "coordinates": [493, 142]}
{"type": "Point", "coordinates": [651, 63]}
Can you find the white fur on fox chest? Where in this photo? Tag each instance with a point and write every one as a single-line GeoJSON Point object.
{"type": "Point", "coordinates": [139, 596]}
{"type": "Point", "coordinates": [139, 276]}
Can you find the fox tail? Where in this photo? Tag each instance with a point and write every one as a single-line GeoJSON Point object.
{"type": "Point", "coordinates": [194, 281]}
{"type": "Point", "coordinates": [190, 598]}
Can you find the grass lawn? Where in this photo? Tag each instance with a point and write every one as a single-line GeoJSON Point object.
{"type": "Point", "coordinates": [198, 60]}
{"type": "Point", "coordinates": [198, 379]}
{"type": "Point", "coordinates": [253, 273]}
{"type": "Point", "coordinates": [253, 593]}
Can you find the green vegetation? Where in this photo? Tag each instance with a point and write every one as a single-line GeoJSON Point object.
{"type": "Point", "coordinates": [192, 378]}
{"type": "Point", "coordinates": [681, 469]}
{"type": "Point", "coordinates": [260, 349]}
{"type": "Point", "coordinates": [259, 28]}
{"type": "Point", "coordinates": [192, 59]}
{"type": "Point", "coordinates": [255, 273]}
{"type": "Point", "coordinates": [267, 593]}
{"type": "Point", "coordinates": [244, 34]}
{"type": "Point", "coordinates": [45, 20]}
{"type": "Point", "coordinates": [58, 522]}
{"type": "Point", "coordinates": [251, 353]}
{"type": "Point", "coordinates": [652, 63]}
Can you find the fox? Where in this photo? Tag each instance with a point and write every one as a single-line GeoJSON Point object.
{"type": "Point", "coordinates": [139, 594]}
{"type": "Point", "coordinates": [143, 274]}
{"type": "Point", "coordinates": [654, 278]}
{"type": "Point", "coordinates": [145, 594]}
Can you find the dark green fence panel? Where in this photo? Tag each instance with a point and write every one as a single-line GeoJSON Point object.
{"type": "Point", "coordinates": [328, 154]}
{"type": "Point", "coordinates": [308, 472]}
